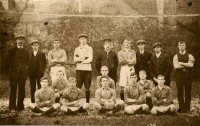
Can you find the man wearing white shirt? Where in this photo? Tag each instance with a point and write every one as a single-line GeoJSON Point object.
{"type": "Point", "coordinates": [183, 63]}
{"type": "Point", "coordinates": [37, 66]}
{"type": "Point", "coordinates": [160, 65]}
{"type": "Point", "coordinates": [83, 56]}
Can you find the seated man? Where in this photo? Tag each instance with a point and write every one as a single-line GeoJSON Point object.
{"type": "Point", "coordinates": [104, 72]}
{"type": "Point", "coordinates": [147, 85]}
{"type": "Point", "coordinates": [134, 97]}
{"type": "Point", "coordinates": [106, 98]}
{"type": "Point", "coordinates": [57, 60]}
{"type": "Point", "coordinates": [59, 85]}
{"type": "Point", "coordinates": [162, 98]}
{"type": "Point", "coordinates": [44, 99]}
{"type": "Point", "coordinates": [71, 101]}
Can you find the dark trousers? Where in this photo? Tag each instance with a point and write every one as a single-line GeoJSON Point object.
{"type": "Point", "coordinates": [113, 75]}
{"type": "Point", "coordinates": [14, 84]}
{"type": "Point", "coordinates": [184, 84]}
{"type": "Point", "coordinates": [83, 77]}
{"type": "Point", "coordinates": [33, 81]}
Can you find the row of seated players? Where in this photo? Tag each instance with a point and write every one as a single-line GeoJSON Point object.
{"type": "Point", "coordinates": [139, 96]}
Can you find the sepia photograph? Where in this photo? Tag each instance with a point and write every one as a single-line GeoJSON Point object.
{"type": "Point", "coordinates": [100, 62]}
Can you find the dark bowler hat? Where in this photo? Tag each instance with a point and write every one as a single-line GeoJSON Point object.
{"type": "Point", "coordinates": [156, 44]}
{"type": "Point", "coordinates": [82, 35]}
{"type": "Point", "coordinates": [140, 41]}
{"type": "Point", "coordinates": [34, 41]}
{"type": "Point", "coordinates": [19, 36]}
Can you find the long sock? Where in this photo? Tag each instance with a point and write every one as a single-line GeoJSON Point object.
{"type": "Point", "coordinates": [49, 111]}
{"type": "Point", "coordinates": [57, 100]}
{"type": "Point", "coordinates": [87, 93]}
{"type": "Point", "coordinates": [37, 110]}
{"type": "Point", "coordinates": [149, 102]}
{"type": "Point", "coordinates": [122, 95]}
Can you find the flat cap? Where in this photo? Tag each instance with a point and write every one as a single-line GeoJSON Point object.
{"type": "Point", "coordinates": [34, 41]}
{"type": "Point", "coordinates": [82, 35]}
{"type": "Point", "coordinates": [19, 36]}
{"type": "Point", "coordinates": [156, 44]}
{"type": "Point", "coordinates": [140, 41]}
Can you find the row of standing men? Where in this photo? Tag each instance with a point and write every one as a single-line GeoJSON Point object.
{"type": "Point", "coordinates": [21, 64]}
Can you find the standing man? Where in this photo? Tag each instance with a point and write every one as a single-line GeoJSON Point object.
{"type": "Point", "coordinates": [160, 65]}
{"type": "Point", "coordinates": [107, 58]}
{"type": "Point", "coordinates": [143, 58]}
{"type": "Point", "coordinates": [183, 63]}
{"type": "Point", "coordinates": [127, 60]}
{"type": "Point", "coordinates": [57, 59]}
{"type": "Point", "coordinates": [37, 66]}
{"type": "Point", "coordinates": [83, 56]}
{"type": "Point", "coordinates": [17, 62]}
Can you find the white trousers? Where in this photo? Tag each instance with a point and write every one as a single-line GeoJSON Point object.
{"type": "Point", "coordinates": [124, 75]}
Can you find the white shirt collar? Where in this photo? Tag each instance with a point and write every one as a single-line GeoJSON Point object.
{"type": "Point", "coordinates": [141, 51]}
{"type": "Point", "coordinates": [158, 54]}
{"type": "Point", "coordinates": [182, 52]}
{"type": "Point", "coordinates": [19, 46]}
{"type": "Point", "coordinates": [35, 53]}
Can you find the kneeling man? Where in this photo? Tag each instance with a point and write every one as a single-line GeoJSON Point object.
{"type": "Point", "coordinates": [134, 97]}
{"type": "Point", "coordinates": [162, 98]}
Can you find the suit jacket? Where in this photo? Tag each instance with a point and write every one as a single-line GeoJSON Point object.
{"type": "Point", "coordinates": [17, 63]}
{"type": "Point", "coordinates": [37, 68]}
{"type": "Point", "coordinates": [143, 61]}
{"type": "Point", "coordinates": [110, 60]}
{"type": "Point", "coordinates": [160, 66]}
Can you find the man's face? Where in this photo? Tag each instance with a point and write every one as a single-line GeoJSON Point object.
{"type": "Point", "coordinates": [72, 84]}
{"type": "Point", "coordinates": [157, 49]}
{"type": "Point", "coordinates": [60, 75]}
{"type": "Point", "coordinates": [104, 71]}
{"type": "Point", "coordinates": [182, 46]}
{"type": "Point", "coordinates": [161, 81]}
{"type": "Point", "coordinates": [56, 44]}
{"type": "Point", "coordinates": [35, 46]}
{"type": "Point", "coordinates": [107, 46]}
{"type": "Point", "coordinates": [104, 82]}
{"type": "Point", "coordinates": [83, 40]}
{"type": "Point", "coordinates": [127, 43]}
{"type": "Point", "coordinates": [20, 41]}
{"type": "Point", "coordinates": [142, 75]}
{"type": "Point", "coordinates": [141, 46]}
{"type": "Point", "coordinates": [44, 83]}
{"type": "Point", "coordinates": [132, 79]}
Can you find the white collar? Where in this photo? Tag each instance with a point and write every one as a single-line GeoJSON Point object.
{"type": "Point", "coordinates": [141, 51]}
{"type": "Point", "coordinates": [19, 46]}
{"type": "Point", "coordinates": [158, 54]}
{"type": "Point", "coordinates": [182, 52]}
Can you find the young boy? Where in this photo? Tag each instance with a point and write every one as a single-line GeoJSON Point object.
{"type": "Point", "coordinates": [59, 85]}
{"type": "Point", "coordinates": [44, 99]}
{"type": "Point", "coordinates": [57, 60]}
{"type": "Point", "coordinates": [127, 60]}
{"type": "Point", "coordinates": [71, 101]}
{"type": "Point", "coordinates": [106, 98]}
{"type": "Point", "coordinates": [83, 56]}
{"type": "Point", "coordinates": [104, 72]}
{"type": "Point", "coordinates": [147, 85]}
{"type": "Point", "coordinates": [37, 66]}
{"type": "Point", "coordinates": [107, 58]}
{"type": "Point", "coordinates": [134, 97]}
{"type": "Point", "coordinates": [162, 98]}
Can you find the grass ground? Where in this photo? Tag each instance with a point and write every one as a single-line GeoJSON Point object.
{"type": "Point", "coordinates": [25, 117]}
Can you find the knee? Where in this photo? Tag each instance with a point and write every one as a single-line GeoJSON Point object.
{"type": "Point", "coordinates": [120, 102]}
{"type": "Point", "coordinates": [145, 107]}
{"type": "Point", "coordinates": [32, 105]}
{"type": "Point", "coordinates": [86, 106]}
{"type": "Point", "coordinates": [63, 108]}
{"type": "Point", "coordinates": [57, 95]}
{"type": "Point", "coordinates": [172, 108]}
{"type": "Point", "coordinates": [56, 106]}
{"type": "Point", "coordinates": [148, 95]}
{"type": "Point", "coordinates": [97, 106]}
{"type": "Point", "coordinates": [128, 110]}
{"type": "Point", "coordinates": [153, 111]}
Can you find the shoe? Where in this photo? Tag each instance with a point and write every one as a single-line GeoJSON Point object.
{"type": "Point", "coordinates": [181, 111]}
{"type": "Point", "coordinates": [81, 110]}
{"type": "Point", "coordinates": [103, 110]}
{"type": "Point", "coordinates": [70, 112]}
{"type": "Point", "coordinates": [138, 111]}
{"type": "Point", "coordinates": [116, 108]}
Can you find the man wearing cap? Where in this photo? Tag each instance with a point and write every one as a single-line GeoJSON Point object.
{"type": "Point", "coordinates": [17, 62]}
{"type": "Point", "coordinates": [107, 58]}
{"type": "Point", "coordinates": [37, 66]}
{"type": "Point", "coordinates": [183, 63]}
{"type": "Point", "coordinates": [57, 60]}
{"type": "Point", "coordinates": [160, 64]}
{"type": "Point", "coordinates": [83, 56]}
{"type": "Point", "coordinates": [143, 58]}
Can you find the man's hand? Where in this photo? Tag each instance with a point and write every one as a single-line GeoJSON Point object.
{"type": "Point", "coordinates": [164, 100]}
{"type": "Point", "coordinates": [48, 102]}
{"type": "Point", "coordinates": [156, 80]}
{"type": "Point", "coordinates": [124, 62]}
